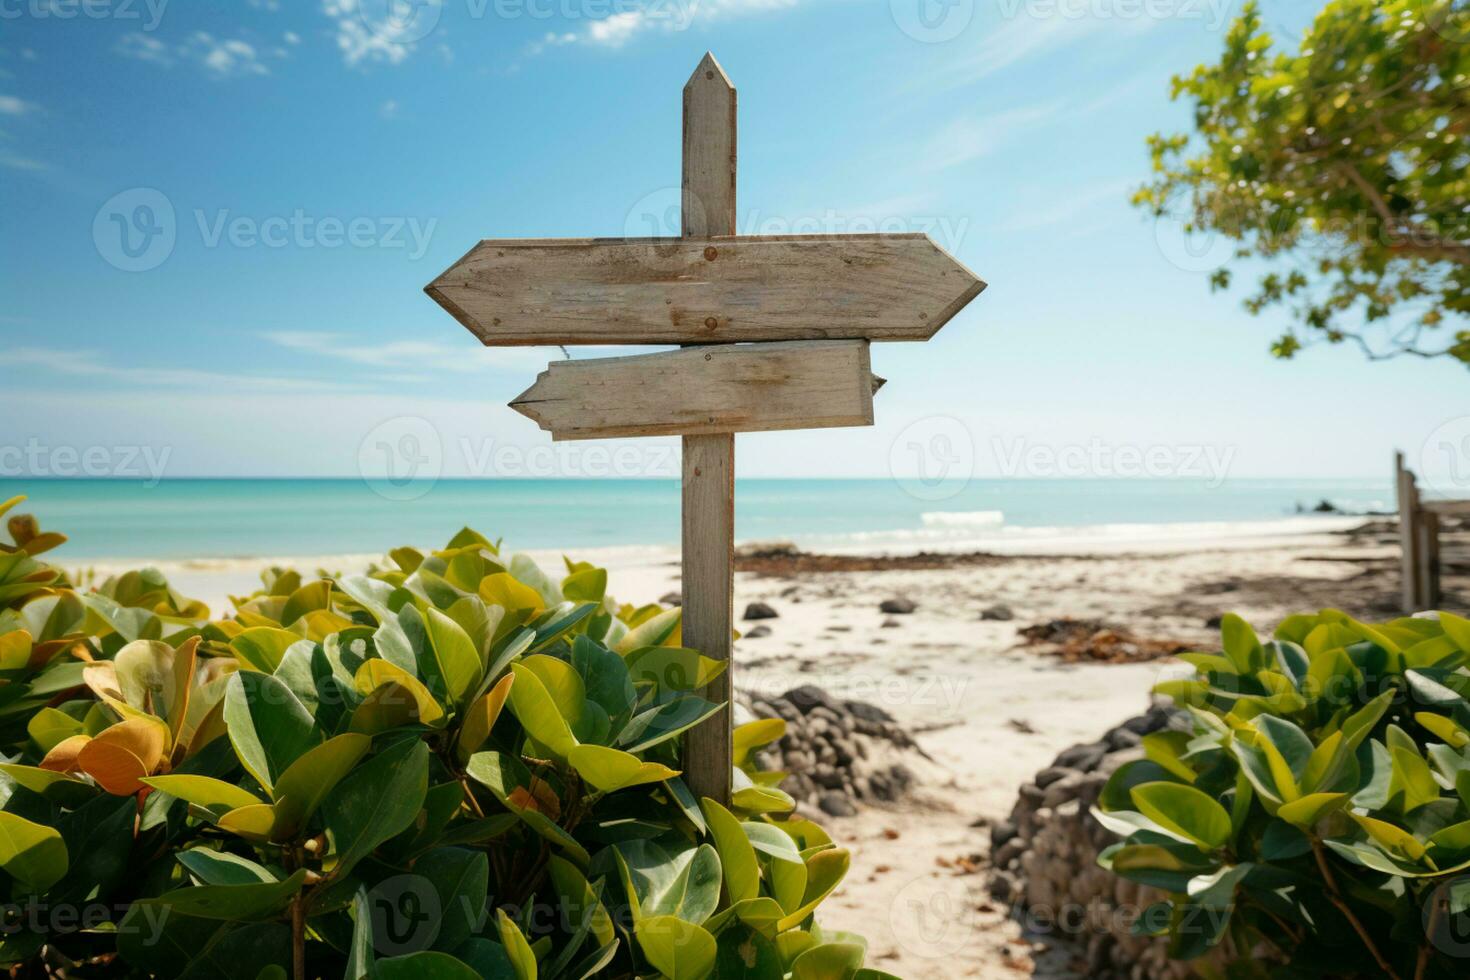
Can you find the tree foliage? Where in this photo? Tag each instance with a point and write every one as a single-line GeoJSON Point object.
{"type": "Point", "coordinates": [1339, 171]}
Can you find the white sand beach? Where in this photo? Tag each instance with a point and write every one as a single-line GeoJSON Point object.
{"type": "Point", "coordinates": [988, 711]}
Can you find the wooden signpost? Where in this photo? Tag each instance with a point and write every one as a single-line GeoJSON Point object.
{"type": "Point", "coordinates": [781, 323]}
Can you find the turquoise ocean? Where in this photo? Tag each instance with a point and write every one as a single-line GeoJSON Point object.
{"type": "Point", "coordinates": [227, 518]}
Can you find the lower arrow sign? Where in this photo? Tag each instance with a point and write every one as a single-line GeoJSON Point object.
{"type": "Point", "coordinates": [702, 390]}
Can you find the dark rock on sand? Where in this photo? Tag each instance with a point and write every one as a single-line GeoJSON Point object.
{"type": "Point", "coordinates": [760, 610]}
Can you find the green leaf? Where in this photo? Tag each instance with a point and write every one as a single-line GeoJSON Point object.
{"type": "Point", "coordinates": [737, 857]}
{"type": "Point", "coordinates": [223, 867]}
{"type": "Point", "coordinates": [683, 883]}
{"type": "Point", "coordinates": [649, 728]}
{"type": "Point", "coordinates": [234, 903]}
{"type": "Point", "coordinates": [535, 709]}
{"type": "Point", "coordinates": [262, 648]}
{"type": "Point", "coordinates": [824, 872]}
{"type": "Point", "coordinates": [33, 854]}
{"type": "Point", "coordinates": [745, 954]}
{"type": "Point", "coordinates": [215, 796]}
{"type": "Point", "coordinates": [1306, 811]}
{"type": "Point", "coordinates": [425, 965]}
{"type": "Point", "coordinates": [360, 957]}
{"type": "Point", "coordinates": [1184, 810]}
{"type": "Point", "coordinates": [1241, 644]}
{"type": "Point", "coordinates": [829, 961]}
{"type": "Point", "coordinates": [522, 960]}
{"type": "Point", "coordinates": [307, 781]}
{"type": "Point", "coordinates": [679, 950]}
{"type": "Point", "coordinates": [376, 801]}
{"type": "Point", "coordinates": [456, 656]}
{"type": "Point", "coordinates": [461, 878]}
{"type": "Point", "coordinates": [612, 769]}
{"type": "Point", "coordinates": [268, 726]}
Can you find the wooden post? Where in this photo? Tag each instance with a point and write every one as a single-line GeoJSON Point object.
{"type": "Point", "coordinates": [1408, 539]}
{"type": "Point", "coordinates": [709, 460]}
{"type": "Point", "coordinates": [1428, 528]}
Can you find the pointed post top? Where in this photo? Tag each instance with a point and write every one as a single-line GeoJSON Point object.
{"type": "Point", "coordinates": [709, 70]}
{"type": "Point", "coordinates": [709, 151]}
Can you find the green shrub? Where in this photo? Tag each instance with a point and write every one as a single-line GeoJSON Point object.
{"type": "Point", "coordinates": [455, 765]}
{"type": "Point", "coordinates": [1316, 820]}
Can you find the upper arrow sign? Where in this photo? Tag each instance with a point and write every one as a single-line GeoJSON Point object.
{"type": "Point", "coordinates": [705, 290]}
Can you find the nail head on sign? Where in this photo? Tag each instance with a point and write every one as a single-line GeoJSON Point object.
{"type": "Point", "coordinates": [711, 253]}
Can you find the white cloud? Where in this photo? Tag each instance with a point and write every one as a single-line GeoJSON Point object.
{"type": "Point", "coordinates": [90, 364]}
{"type": "Point", "coordinates": [381, 35]}
{"type": "Point", "coordinates": [1020, 37]}
{"type": "Point", "coordinates": [291, 37]}
{"type": "Point", "coordinates": [411, 356]}
{"type": "Point", "coordinates": [144, 47]}
{"type": "Point", "coordinates": [618, 29]}
{"type": "Point", "coordinates": [221, 57]}
{"type": "Point", "coordinates": [14, 162]}
{"type": "Point", "coordinates": [969, 139]}
{"type": "Point", "coordinates": [389, 109]}
{"type": "Point", "coordinates": [1070, 208]}
{"type": "Point", "coordinates": [11, 105]}
{"type": "Point", "coordinates": [227, 58]}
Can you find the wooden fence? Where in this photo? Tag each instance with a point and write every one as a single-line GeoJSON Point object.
{"type": "Point", "coordinates": [1419, 522]}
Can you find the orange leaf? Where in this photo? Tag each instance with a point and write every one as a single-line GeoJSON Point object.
{"type": "Point", "coordinates": [63, 755]}
{"type": "Point", "coordinates": [122, 755]}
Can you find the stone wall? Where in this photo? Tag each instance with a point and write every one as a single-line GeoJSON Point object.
{"type": "Point", "coordinates": [1044, 858]}
{"type": "Point", "coordinates": [839, 753]}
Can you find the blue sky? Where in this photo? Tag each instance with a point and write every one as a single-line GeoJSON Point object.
{"type": "Point", "coordinates": [290, 175]}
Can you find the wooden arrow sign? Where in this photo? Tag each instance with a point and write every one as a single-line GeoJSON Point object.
{"type": "Point", "coordinates": [705, 290]}
{"type": "Point", "coordinates": [706, 390]}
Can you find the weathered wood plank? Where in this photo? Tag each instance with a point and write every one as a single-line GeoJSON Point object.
{"type": "Point", "coordinates": [814, 384]}
{"type": "Point", "coordinates": [705, 289]}
{"type": "Point", "coordinates": [1446, 508]}
{"type": "Point", "coordinates": [708, 537]}
{"type": "Point", "coordinates": [1405, 492]}
{"type": "Point", "coordinates": [710, 109]}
